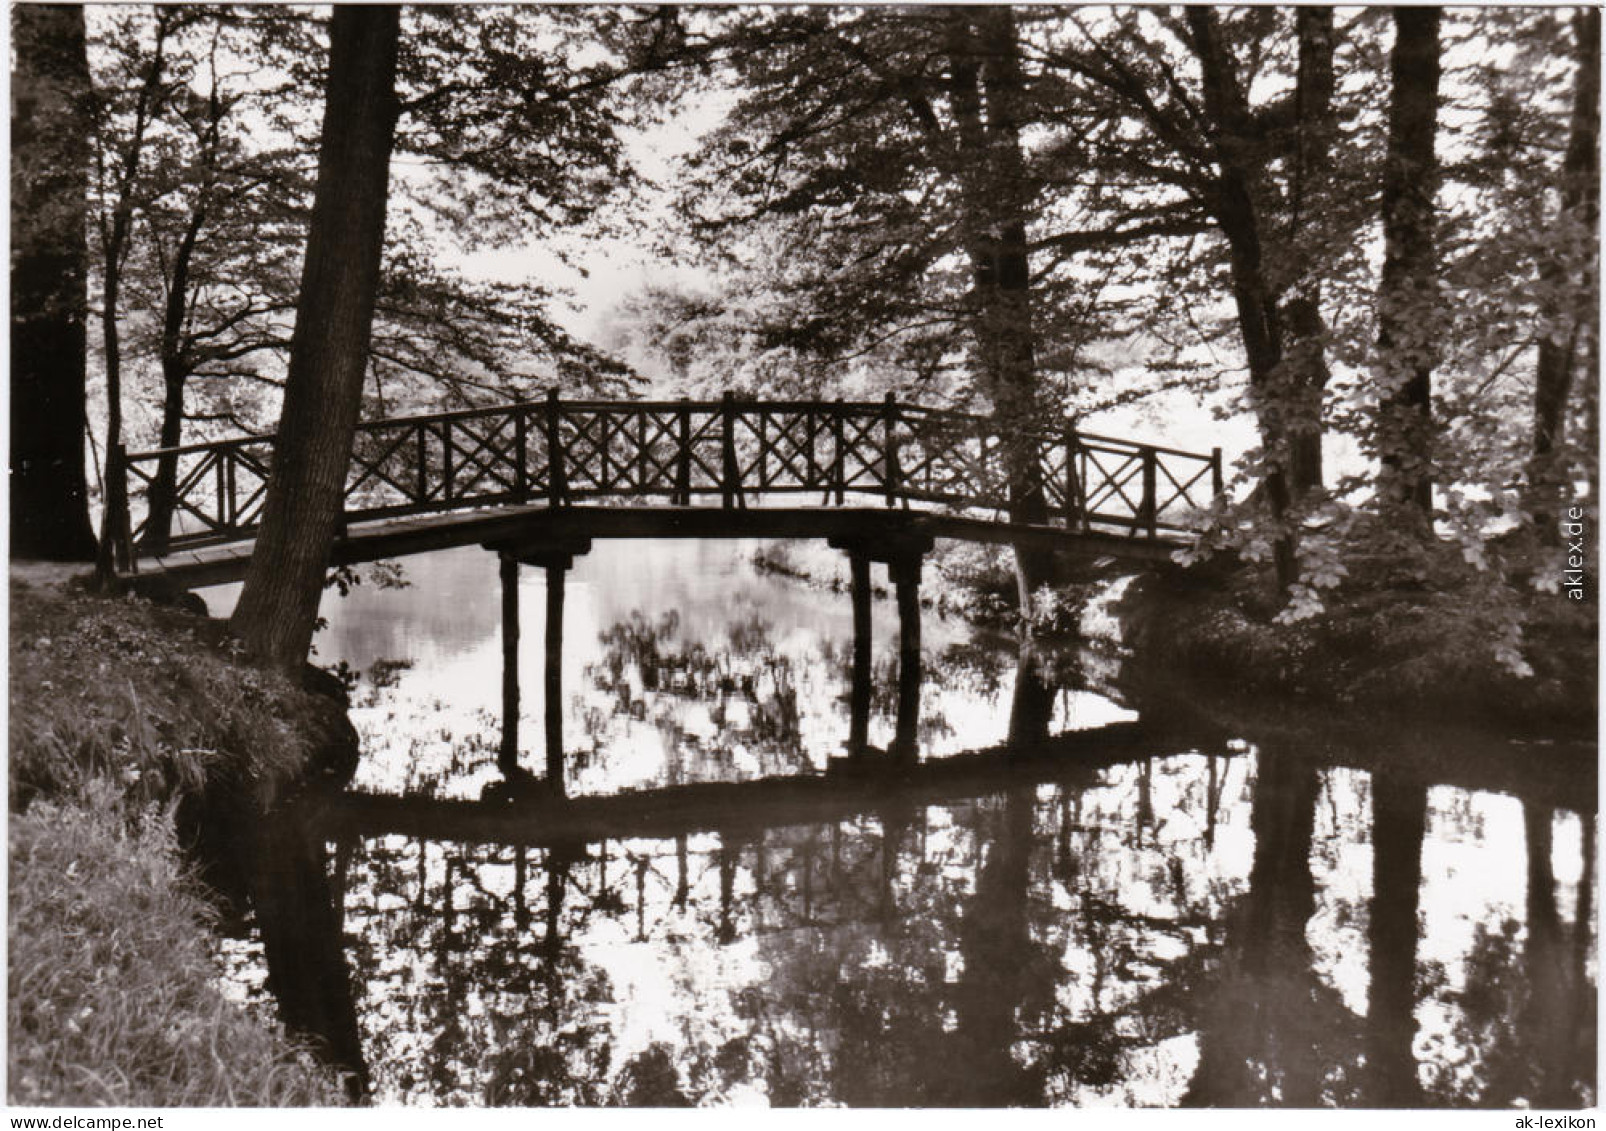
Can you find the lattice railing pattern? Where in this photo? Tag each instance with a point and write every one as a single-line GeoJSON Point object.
{"type": "Point", "coordinates": [738, 451]}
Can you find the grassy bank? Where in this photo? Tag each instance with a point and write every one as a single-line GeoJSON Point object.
{"type": "Point", "coordinates": [1428, 639]}
{"type": "Point", "coordinates": [118, 711]}
{"type": "Point", "coordinates": [113, 990]}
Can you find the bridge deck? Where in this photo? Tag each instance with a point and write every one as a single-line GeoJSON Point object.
{"type": "Point", "coordinates": [416, 534]}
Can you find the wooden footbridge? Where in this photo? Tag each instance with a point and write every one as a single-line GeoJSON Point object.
{"type": "Point", "coordinates": [722, 468]}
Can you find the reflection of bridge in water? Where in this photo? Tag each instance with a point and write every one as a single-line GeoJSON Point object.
{"type": "Point", "coordinates": [542, 817]}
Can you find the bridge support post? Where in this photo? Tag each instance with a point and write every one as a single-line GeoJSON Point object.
{"type": "Point", "coordinates": [557, 558]}
{"type": "Point", "coordinates": [905, 573]}
{"type": "Point", "coordinates": [554, 674]}
{"type": "Point", "coordinates": [507, 757]}
{"type": "Point", "coordinates": [903, 553]}
{"type": "Point", "coordinates": [859, 702]}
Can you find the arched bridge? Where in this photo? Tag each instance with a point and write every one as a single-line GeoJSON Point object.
{"type": "Point", "coordinates": [728, 467]}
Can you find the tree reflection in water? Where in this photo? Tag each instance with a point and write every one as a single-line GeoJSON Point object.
{"type": "Point", "coordinates": [735, 707]}
{"type": "Point", "coordinates": [1270, 1030]}
{"type": "Point", "coordinates": [1048, 944]}
{"type": "Point", "coordinates": [466, 997]}
{"type": "Point", "coordinates": [1527, 1015]}
{"type": "Point", "coordinates": [1194, 926]}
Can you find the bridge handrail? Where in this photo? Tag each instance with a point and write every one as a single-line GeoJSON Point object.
{"type": "Point", "coordinates": [904, 410]}
{"type": "Point", "coordinates": [203, 446]}
{"type": "Point", "coordinates": [734, 447]}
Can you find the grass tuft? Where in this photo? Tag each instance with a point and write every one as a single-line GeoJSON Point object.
{"type": "Point", "coordinates": [113, 994]}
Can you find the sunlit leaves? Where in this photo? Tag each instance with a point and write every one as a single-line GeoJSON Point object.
{"type": "Point", "coordinates": [514, 115]}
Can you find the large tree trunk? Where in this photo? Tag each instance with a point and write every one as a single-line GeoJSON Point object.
{"type": "Point", "coordinates": [985, 59]}
{"type": "Point", "coordinates": [49, 289]}
{"type": "Point", "coordinates": [1580, 214]}
{"type": "Point", "coordinates": [1408, 322]}
{"type": "Point", "coordinates": [1260, 321]}
{"type": "Point", "coordinates": [1305, 370]}
{"type": "Point", "coordinates": [278, 606]}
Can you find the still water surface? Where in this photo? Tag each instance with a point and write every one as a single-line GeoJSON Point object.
{"type": "Point", "coordinates": [1142, 918]}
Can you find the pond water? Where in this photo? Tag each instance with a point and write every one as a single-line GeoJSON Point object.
{"type": "Point", "coordinates": [1129, 912]}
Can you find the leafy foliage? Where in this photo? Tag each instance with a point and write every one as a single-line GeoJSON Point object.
{"type": "Point", "coordinates": [206, 128]}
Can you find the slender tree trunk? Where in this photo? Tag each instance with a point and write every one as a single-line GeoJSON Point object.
{"type": "Point", "coordinates": [158, 535]}
{"type": "Point", "coordinates": [278, 605]}
{"type": "Point", "coordinates": [175, 375]}
{"type": "Point", "coordinates": [984, 55]}
{"type": "Point", "coordinates": [49, 284]}
{"type": "Point", "coordinates": [177, 363]}
{"type": "Point", "coordinates": [114, 519]}
{"type": "Point", "coordinates": [1407, 307]}
{"type": "Point", "coordinates": [1580, 212]}
{"type": "Point", "coordinates": [114, 524]}
{"type": "Point", "coordinates": [1259, 320]}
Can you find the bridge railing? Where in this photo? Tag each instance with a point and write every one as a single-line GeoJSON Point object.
{"type": "Point", "coordinates": [739, 452]}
